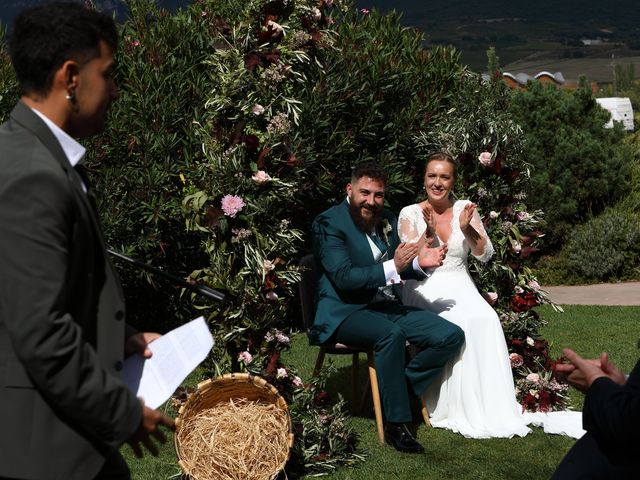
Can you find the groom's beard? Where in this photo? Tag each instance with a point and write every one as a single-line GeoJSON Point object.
{"type": "Point", "coordinates": [366, 223]}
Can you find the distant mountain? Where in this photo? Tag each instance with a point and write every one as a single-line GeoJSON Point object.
{"type": "Point", "coordinates": [535, 30]}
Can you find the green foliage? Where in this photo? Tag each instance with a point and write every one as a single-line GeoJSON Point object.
{"type": "Point", "coordinates": [607, 247]}
{"type": "Point", "coordinates": [8, 86]}
{"type": "Point", "coordinates": [579, 167]}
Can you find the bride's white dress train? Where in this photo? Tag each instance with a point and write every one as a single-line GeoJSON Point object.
{"type": "Point", "coordinates": [476, 395]}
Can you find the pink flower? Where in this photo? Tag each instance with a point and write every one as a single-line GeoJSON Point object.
{"type": "Point", "coordinates": [315, 13]}
{"type": "Point", "coordinates": [135, 43]}
{"type": "Point", "coordinates": [245, 357]}
{"type": "Point", "coordinates": [232, 204]}
{"type": "Point", "coordinates": [516, 360]}
{"type": "Point", "coordinates": [533, 377]}
{"type": "Point", "coordinates": [261, 177]}
{"type": "Point", "coordinates": [493, 214]}
{"type": "Point", "coordinates": [485, 159]}
{"type": "Point", "coordinates": [282, 373]}
{"type": "Point", "coordinates": [490, 297]}
{"type": "Point", "coordinates": [257, 109]}
{"type": "Point", "coordinates": [204, 14]}
{"type": "Point", "coordinates": [533, 285]}
{"type": "Point", "coordinates": [523, 216]}
{"type": "Point", "coordinates": [297, 381]}
{"type": "Point", "coordinates": [518, 289]}
{"type": "Point", "coordinates": [328, 3]}
{"type": "Point", "coordinates": [364, 11]}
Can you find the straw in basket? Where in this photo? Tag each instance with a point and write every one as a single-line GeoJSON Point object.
{"type": "Point", "coordinates": [236, 426]}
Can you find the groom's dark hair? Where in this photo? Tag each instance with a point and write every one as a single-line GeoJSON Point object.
{"type": "Point", "coordinates": [369, 169]}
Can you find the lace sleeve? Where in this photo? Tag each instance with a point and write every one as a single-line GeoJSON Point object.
{"type": "Point", "coordinates": [411, 224]}
{"type": "Point", "coordinates": [476, 223]}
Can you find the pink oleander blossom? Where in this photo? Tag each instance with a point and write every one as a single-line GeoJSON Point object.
{"type": "Point", "coordinates": [245, 357]}
{"type": "Point", "coordinates": [365, 11]}
{"type": "Point", "coordinates": [485, 159]}
{"type": "Point", "coordinates": [282, 338]}
{"type": "Point", "coordinates": [533, 377]}
{"type": "Point", "coordinates": [231, 205]}
{"type": "Point", "coordinates": [516, 360]}
{"type": "Point", "coordinates": [282, 373]}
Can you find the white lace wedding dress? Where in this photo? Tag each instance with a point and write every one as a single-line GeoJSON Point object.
{"type": "Point", "coordinates": [476, 395]}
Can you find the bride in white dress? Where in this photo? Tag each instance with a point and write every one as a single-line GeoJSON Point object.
{"type": "Point", "coordinates": [476, 396]}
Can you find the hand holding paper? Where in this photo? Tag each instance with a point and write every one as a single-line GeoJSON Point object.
{"type": "Point", "coordinates": [175, 355]}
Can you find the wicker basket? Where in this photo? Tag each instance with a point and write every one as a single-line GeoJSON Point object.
{"type": "Point", "coordinates": [222, 389]}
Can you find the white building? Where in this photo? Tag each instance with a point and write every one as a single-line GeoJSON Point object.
{"type": "Point", "coordinates": [620, 110]}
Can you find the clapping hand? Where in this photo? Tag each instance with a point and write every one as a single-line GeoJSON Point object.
{"type": "Point", "coordinates": [404, 255]}
{"type": "Point", "coordinates": [581, 372]}
{"type": "Point", "coordinates": [430, 220]}
{"type": "Point", "coordinates": [431, 257]}
{"type": "Point", "coordinates": [466, 215]}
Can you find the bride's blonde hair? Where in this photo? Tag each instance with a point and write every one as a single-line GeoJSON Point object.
{"type": "Point", "coordinates": [442, 157]}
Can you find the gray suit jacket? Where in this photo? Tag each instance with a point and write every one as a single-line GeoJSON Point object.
{"type": "Point", "coordinates": [62, 316]}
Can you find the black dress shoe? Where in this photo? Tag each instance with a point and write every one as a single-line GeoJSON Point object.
{"type": "Point", "coordinates": [399, 437]}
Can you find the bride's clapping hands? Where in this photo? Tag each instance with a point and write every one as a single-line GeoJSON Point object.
{"type": "Point", "coordinates": [431, 257]}
{"type": "Point", "coordinates": [430, 220]}
{"type": "Point", "coordinates": [466, 215]}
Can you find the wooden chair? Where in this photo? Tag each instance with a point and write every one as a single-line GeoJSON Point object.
{"type": "Point", "coordinates": [307, 289]}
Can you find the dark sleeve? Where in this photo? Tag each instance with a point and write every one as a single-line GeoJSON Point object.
{"type": "Point", "coordinates": [36, 222]}
{"type": "Point", "coordinates": [331, 250]}
{"type": "Point", "coordinates": [612, 412]}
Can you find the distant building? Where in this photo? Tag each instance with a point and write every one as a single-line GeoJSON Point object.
{"type": "Point", "coordinates": [620, 109]}
{"type": "Point", "coordinates": [519, 81]}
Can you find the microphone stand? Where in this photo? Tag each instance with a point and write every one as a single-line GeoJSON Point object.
{"type": "Point", "coordinates": [197, 288]}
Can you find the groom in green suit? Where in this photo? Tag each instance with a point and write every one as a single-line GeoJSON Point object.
{"type": "Point", "coordinates": [63, 335]}
{"type": "Point", "coordinates": [361, 264]}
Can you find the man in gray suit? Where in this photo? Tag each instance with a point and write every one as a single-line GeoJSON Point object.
{"type": "Point", "coordinates": [62, 316]}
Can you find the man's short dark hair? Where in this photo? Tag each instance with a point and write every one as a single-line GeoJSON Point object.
{"type": "Point", "coordinates": [45, 36]}
{"type": "Point", "coordinates": [371, 170]}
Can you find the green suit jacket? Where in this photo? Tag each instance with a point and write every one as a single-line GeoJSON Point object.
{"type": "Point", "coordinates": [348, 275]}
{"type": "Point", "coordinates": [62, 316]}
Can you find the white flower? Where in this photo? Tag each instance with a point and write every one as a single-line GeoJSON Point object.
{"type": "Point", "coordinates": [485, 159]}
{"type": "Point", "coordinates": [530, 342]}
{"type": "Point", "coordinates": [533, 377]}
{"type": "Point", "coordinates": [257, 109]}
{"type": "Point", "coordinates": [268, 265]}
{"type": "Point", "coordinates": [522, 216]}
{"type": "Point", "coordinates": [518, 289]}
{"type": "Point", "coordinates": [281, 373]}
{"type": "Point", "coordinates": [516, 245]}
{"type": "Point", "coordinates": [493, 214]}
{"type": "Point", "coordinates": [269, 337]}
{"type": "Point", "coordinates": [315, 13]}
{"type": "Point", "coordinates": [282, 338]}
{"type": "Point", "coordinates": [261, 177]}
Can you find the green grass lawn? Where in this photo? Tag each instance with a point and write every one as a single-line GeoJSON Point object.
{"type": "Point", "coordinates": [586, 329]}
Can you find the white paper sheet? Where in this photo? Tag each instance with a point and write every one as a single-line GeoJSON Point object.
{"type": "Point", "coordinates": [175, 355]}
